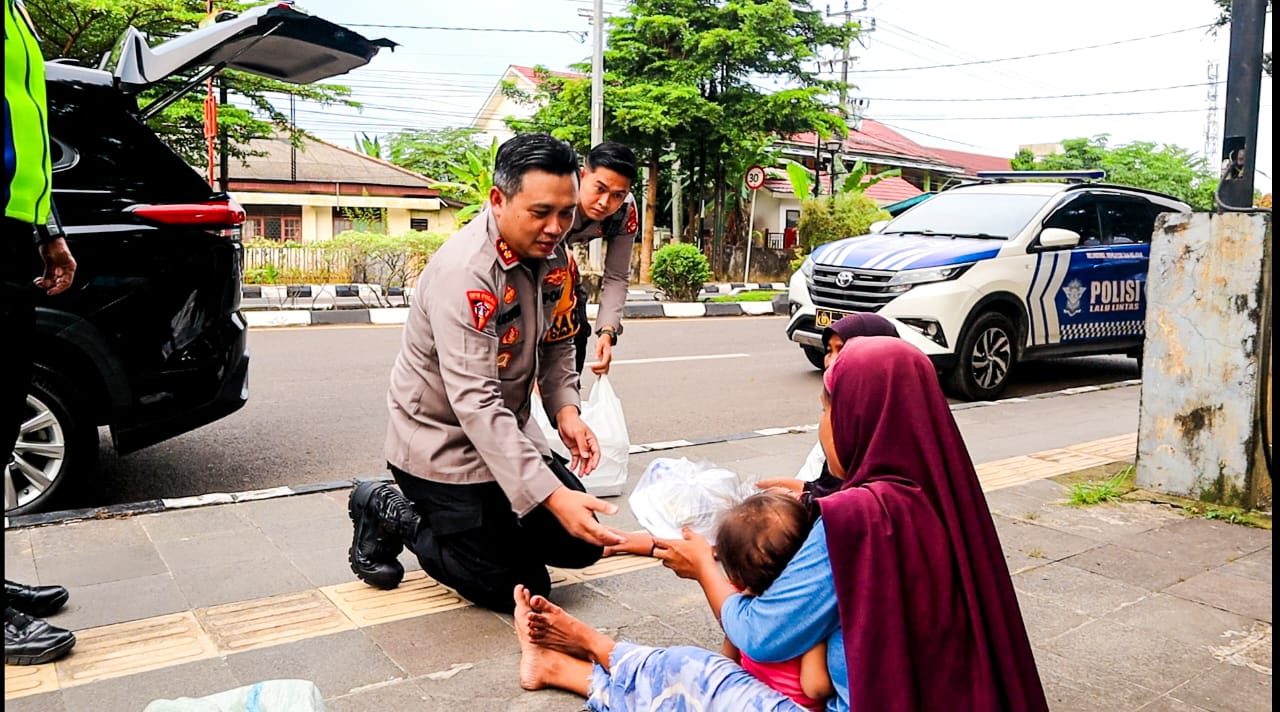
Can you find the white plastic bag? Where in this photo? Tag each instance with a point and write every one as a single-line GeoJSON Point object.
{"type": "Point", "coordinates": [673, 494]}
{"type": "Point", "coordinates": [812, 467]}
{"type": "Point", "coordinates": [602, 412]}
{"type": "Point", "coordinates": [268, 696]}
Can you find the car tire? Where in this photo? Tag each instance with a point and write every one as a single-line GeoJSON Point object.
{"type": "Point", "coordinates": [985, 359]}
{"type": "Point", "coordinates": [817, 357]}
{"type": "Point", "coordinates": [59, 442]}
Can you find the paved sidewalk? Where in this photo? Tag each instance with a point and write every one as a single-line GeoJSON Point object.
{"type": "Point", "coordinates": [1130, 606]}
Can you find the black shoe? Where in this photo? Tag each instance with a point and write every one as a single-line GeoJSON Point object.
{"type": "Point", "coordinates": [38, 601]}
{"type": "Point", "coordinates": [31, 641]}
{"type": "Point", "coordinates": [382, 518]}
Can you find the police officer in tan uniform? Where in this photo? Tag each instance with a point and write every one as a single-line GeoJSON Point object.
{"type": "Point", "coordinates": [484, 506]}
{"type": "Point", "coordinates": [606, 210]}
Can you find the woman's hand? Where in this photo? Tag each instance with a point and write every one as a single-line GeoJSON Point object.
{"type": "Point", "coordinates": [691, 557]}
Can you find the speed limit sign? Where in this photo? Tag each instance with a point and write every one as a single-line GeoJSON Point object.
{"type": "Point", "coordinates": [755, 177]}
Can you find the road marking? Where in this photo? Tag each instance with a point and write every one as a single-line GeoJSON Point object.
{"type": "Point", "coordinates": [669, 359]}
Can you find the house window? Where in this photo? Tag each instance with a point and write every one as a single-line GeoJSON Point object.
{"type": "Point", "coordinates": [359, 219]}
{"type": "Point", "coordinates": [282, 223]}
{"type": "Point", "coordinates": [419, 224]}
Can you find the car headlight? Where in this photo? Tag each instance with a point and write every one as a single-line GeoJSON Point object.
{"type": "Point", "coordinates": [911, 277]}
{"type": "Point", "coordinates": [806, 268]}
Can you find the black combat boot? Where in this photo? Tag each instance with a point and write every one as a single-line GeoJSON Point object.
{"type": "Point", "coordinates": [38, 601]}
{"type": "Point", "coordinates": [31, 641]}
{"type": "Point", "coordinates": [382, 520]}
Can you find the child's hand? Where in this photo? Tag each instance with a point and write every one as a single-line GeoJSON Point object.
{"type": "Point", "coordinates": [637, 543]}
{"type": "Point", "coordinates": [691, 557]}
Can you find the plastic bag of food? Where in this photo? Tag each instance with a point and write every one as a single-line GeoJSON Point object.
{"type": "Point", "coordinates": [812, 467]}
{"type": "Point", "coordinates": [677, 493]}
{"type": "Point", "coordinates": [602, 412]}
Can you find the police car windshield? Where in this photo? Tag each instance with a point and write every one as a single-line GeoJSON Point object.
{"type": "Point", "coordinates": [990, 216]}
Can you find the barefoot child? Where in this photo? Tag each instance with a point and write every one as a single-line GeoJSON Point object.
{"type": "Point", "coordinates": [754, 542]}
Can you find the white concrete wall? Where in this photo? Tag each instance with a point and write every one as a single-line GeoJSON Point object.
{"type": "Point", "coordinates": [1208, 289]}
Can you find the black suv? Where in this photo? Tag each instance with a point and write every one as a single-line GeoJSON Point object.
{"type": "Point", "coordinates": [149, 341]}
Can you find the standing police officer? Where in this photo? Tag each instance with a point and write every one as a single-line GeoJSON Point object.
{"type": "Point", "coordinates": [31, 235]}
{"type": "Point", "coordinates": [606, 210]}
{"type": "Point", "coordinates": [485, 507]}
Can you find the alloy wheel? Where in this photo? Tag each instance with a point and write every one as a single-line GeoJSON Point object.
{"type": "Point", "coordinates": [992, 355]}
{"type": "Point", "coordinates": [38, 456]}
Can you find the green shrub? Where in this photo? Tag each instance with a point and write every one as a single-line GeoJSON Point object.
{"type": "Point", "coordinates": [680, 270]}
{"type": "Point", "coordinates": [824, 220]}
{"type": "Point", "coordinates": [266, 274]}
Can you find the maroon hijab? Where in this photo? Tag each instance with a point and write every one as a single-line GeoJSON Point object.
{"type": "Point", "coordinates": [859, 324]}
{"type": "Point", "coordinates": [926, 604]}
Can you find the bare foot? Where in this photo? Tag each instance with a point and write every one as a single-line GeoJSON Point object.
{"type": "Point", "coordinates": [534, 665]}
{"type": "Point", "coordinates": [551, 627]}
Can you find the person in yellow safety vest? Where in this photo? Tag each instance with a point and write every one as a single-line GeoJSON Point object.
{"type": "Point", "coordinates": [31, 235]}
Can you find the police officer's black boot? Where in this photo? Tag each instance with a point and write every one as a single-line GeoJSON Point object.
{"type": "Point", "coordinates": [382, 519]}
{"type": "Point", "coordinates": [31, 641]}
{"type": "Point", "coordinates": [38, 601]}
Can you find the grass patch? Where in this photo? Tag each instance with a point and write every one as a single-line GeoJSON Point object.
{"type": "Point", "coordinates": [1109, 490]}
{"type": "Point", "coordinates": [755, 295]}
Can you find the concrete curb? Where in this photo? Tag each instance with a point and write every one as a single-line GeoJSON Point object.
{"type": "Point", "coordinates": [396, 315]}
{"type": "Point", "coordinates": [154, 506]}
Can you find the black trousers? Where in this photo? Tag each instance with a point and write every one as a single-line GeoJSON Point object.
{"type": "Point", "coordinates": [581, 338]}
{"type": "Point", "coordinates": [19, 264]}
{"type": "Point", "coordinates": [472, 542]}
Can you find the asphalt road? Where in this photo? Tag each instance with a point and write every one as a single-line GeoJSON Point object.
{"type": "Point", "coordinates": [317, 409]}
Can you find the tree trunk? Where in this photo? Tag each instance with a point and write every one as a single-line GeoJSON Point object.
{"type": "Point", "coordinates": [650, 216]}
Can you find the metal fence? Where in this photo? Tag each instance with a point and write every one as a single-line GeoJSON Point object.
{"type": "Point", "coordinates": [299, 264]}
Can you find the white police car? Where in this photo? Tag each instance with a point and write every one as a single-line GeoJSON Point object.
{"type": "Point", "coordinates": [985, 275]}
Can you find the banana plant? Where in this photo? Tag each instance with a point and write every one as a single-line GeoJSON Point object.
{"type": "Point", "coordinates": [857, 181]}
{"type": "Point", "coordinates": [474, 180]}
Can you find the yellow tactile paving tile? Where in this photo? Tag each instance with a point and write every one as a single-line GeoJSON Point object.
{"type": "Point", "coordinates": [1121, 447]}
{"type": "Point", "coordinates": [130, 648]}
{"type": "Point", "coordinates": [264, 622]}
{"type": "Point", "coordinates": [1050, 463]}
{"type": "Point", "coordinates": [614, 565]}
{"type": "Point", "coordinates": [23, 680]}
{"type": "Point", "coordinates": [417, 595]}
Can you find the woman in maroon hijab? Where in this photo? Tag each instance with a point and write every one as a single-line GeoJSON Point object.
{"type": "Point", "coordinates": [926, 603]}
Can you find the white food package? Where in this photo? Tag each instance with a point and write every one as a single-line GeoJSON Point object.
{"type": "Point", "coordinates": [673, 494]}
{"type": "Point", "coordinates": [602, 412]}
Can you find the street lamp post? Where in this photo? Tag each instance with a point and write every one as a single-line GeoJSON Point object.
{"type": "Point", "coordinates": [834, 146]}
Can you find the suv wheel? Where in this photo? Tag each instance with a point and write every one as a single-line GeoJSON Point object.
{"type": "Point", "coordinates": [985, 358]}
{"type": "Point", "coordinates": [815, 356]}
{"type": "Point", "coordinates": [56, 440]}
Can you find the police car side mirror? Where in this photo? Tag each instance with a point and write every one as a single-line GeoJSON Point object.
{"type": "Point", "coordinates": [1052, 237]}
{"type": "Point", "coordinates": [876, 226]}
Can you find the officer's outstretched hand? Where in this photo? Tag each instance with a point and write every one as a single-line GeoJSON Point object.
{"type": "Point", "coordinates": [582, 443]}
{"type": "Point", "coordinates": [604, 355]}
{"type": "Point", "coordinates": [576, 512]}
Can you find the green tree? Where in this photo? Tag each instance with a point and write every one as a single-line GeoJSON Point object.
{"type": "Point", "coordinates": [847, 214]}
{"type": "Point", "coordinates": [432, 152]}
{"type": "Point", "coordinates": [1142, 164]}
{"type": "Point", "coordinates": [87, 30]}
{"type": "Point", "coordinates": [368, 146]}
{"type": "Point", "coordinates": [689, 73]}
{"type": "Point", "coordinates": [473, 180]}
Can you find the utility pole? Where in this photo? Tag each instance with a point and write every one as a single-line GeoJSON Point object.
{"type": "Point", "coordinates": [1244, 87]}
{"type": "Point", "coordinates": [845, 59]}
{"type": "Point", "coordinates": [595, 253]}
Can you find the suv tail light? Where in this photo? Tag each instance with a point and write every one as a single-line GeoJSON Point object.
{"type": "Point", "coordinates": [219, 213]}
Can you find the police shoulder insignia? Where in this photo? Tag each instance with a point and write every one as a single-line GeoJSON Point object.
{"type": "Point", "coordinates": [505, 253]}
{"type": "Point", "coordinates": [508, 294]}
{"type": "Point", "coordinates": [511, 336]}
{"type": "Point", "coordinates": [633, 220]}
{"type": "Point", "coordinates": [504, 359]}
{"type": "Point", "coordinates": [483, 305]}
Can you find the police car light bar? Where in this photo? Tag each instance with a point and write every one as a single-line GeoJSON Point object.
{"type": "Point", "coordinates": [1069, 176]}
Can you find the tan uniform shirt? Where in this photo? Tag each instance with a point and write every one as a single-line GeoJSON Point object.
{"type": "Point", "coordinates": [617, 259]}
{"type": "Point", "coordinates": [482, 326]}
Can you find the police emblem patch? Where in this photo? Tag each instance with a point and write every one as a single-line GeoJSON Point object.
{"type": "Point", "coordinates": [510, 337]}
{"type": "Point", "coordinates": [1074, 291]}
{"type": "Point", "coordinates": [504, 359]}
{"type": "Point", "coordinates": [483, 305]}
{"type": "Point", "coordinates": [633, 220]}
{"type": "Point", "coordinates": [508, 294]}
{"type": "Point", "coordinates": [556, 277]}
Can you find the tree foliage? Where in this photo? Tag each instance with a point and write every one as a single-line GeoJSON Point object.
{"type": "Point", "coordinates": [434, 153]}
{"type": "Point", "coordinates": [680, 270]}
{"type": "Point", "coordinates": [473, 180]}
{"type": "Point", "coordinates": [1142, 164]}
{"type": "Point", "coordinates": [847, 214]}
{"type": "Point", "coordinates": [88, 30]}
{"type": "Point", "coordinates": [691, 74]}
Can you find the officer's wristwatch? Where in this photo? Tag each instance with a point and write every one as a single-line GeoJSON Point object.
{"type": "Point", "coordinates": [612, 332]}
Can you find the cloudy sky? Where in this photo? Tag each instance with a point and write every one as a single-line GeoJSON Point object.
{"type": "Point", "coordinates": [1137, 71]}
